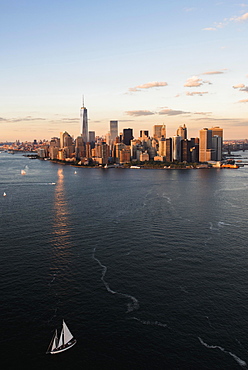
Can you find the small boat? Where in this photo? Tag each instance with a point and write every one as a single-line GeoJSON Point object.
{"type": "Point", "coordinates": [23, 172]}
{"type": "Point", "coordinates": [63, 343]}
{"type": "Point", "coordinates": [75, 172]}
{"type": "Point", "coordinates": [4, 194]}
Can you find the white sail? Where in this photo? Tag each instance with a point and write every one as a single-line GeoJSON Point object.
{"type": "Point", "coordinates": [67, 334]}
{"type": "Point", "coordinates": [55, 341]}
{"type": "Point", "coordinates": [61, 339]}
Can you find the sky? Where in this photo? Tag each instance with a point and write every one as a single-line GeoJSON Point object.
{"type": "Point", "coordinates": [139, 62]}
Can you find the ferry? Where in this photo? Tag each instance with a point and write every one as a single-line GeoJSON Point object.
{"type": "Point", "coordinates": [229, 166]}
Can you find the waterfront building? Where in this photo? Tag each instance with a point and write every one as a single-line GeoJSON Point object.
{"type": "Point", "coordinates": [84, 123]}
{"type": "Point", "coordinates": [169, 149]}
{"type": "Point", "coordinates": [65, 139]}
{"type": "Point", "coordinates": [194, 150]}
{"type": "Point", "coordinates": [205, 146]}
{"type": "Point", "coordinates": [217, 131]}
{"type": "Point", "coordinates": [176, 148]}
{"type": "Point", "coordinates": [217, 148]}
{"type": "Point", "coordinates": [162, 147]}
{"type": "Point", "coordinates": [144, 157]}
{"type": "Point", "coordinates": [118, 149]}
{"type": "Point", "coordinates": [79, 147]}
{"type": "Point", "coordinates": [185, 150]}
{"type": "Point", "coordinates": [125, 155]}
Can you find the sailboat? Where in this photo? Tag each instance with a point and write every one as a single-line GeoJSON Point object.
{"type": "Point", "coordinates": [64, 342]}
{"type": "Point", "coordinates": [23, 172]}
{"type": "Point", "coordinates": [4, 194]}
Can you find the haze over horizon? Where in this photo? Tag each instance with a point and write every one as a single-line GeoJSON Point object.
{"type": "Point", "coordinates": [141, 63]}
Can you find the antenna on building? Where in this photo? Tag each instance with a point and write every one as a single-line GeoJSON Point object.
{"type": "Point", "coordinates": [83, 101]}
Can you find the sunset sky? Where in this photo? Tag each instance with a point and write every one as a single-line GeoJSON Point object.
{"type": "Point", "coordinates": [141, 63]}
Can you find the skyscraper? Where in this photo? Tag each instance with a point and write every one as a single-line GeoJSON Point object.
{"type": "Point", "coordinates": [113, 130]}
{"type": "Point", "coordinates": [205, 152]}
{"type": "Point", "coordinates": [84, 123]}
{"type": "Point", "coordinates": [176, 148]}
{"type": "Point", "coordinates": [127, 136]}
{"type": "Point", "coordinates": [159, 131]}
{"type": "Point", "coordinates": [182, 131]}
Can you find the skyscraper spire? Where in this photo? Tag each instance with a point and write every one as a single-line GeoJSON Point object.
{"type": "Point", "coordinates": [84, 122]}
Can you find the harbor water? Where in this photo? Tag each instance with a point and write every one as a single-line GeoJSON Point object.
{"type": "Point", "coordinates": [149, 268]}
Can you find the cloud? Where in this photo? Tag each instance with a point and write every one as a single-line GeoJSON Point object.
{"type": "Point", "coordinates": [138, 113]}
{"type": "Point", "coordinates": [171, 112]}
{"type": "Point", "coordinates": [163, 111]}
{"type": "Point", "coordinates": [70, 119]}
{"type": "Point", "coordinates": [239, 86]}
{"type": "Point", "coordinates": [243, 101]}
{"type": "Point", "coordinates": [243, 18]}
{"type": "Point", "coordinates": [200, 93]}
{"type": "Point", "coordinates": [226, 21]}
{"type": "Point", "coordinates": [213, 73]}
{"type": "Point", "coordinates": [203, 113]}
{"type": "Point", "coordinates": [195, 82]}
{"type": "Point", "coordinates": [148, 85]}
{"type": "Point", "coordinates": [209, 29]}
{"type": "Point", "coordinates": [245, 88]}
{"type": "Point", "coordinates": [24, 119]}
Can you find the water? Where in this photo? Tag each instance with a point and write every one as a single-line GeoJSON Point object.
{"type": "Point", "coordinates": [148, 268]}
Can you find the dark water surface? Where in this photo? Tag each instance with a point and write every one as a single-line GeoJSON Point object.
{"type": "Point", "coordinates": [149, 268]}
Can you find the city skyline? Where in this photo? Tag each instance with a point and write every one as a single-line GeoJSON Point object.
{"type": "Point", "coordinates": [141, 64]}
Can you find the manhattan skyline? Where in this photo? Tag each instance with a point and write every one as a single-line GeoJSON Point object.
{"type": "Point", "coordinates": [139, 63]}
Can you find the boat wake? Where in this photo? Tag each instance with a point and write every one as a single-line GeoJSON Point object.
{"type": "Point", "coordinates": [242, 363]}
{"type": "Point", "coordinates": [131, 306]}
{"type": "Point", "coordinates": [148, 322]}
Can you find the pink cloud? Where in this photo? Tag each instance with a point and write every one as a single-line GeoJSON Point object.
{"type": "Point", "coordinates": [148, 85]}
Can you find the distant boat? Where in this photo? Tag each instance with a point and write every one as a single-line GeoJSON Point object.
{"type": "Point", "coordinates": [134, 166]}
{"type": "Point", "coordinates": [4, 194]}
{"type": "Point", "coordinates": [75, 172]}
{"type": "Point", "coordinates": [23, 172]}
{"type": "Point", "coordinates": [63, 343]}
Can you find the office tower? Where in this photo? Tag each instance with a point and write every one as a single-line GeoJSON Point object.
{"type": "Point", "coordinates": [144, 133]}
{"type": "Point", "coordinates": [194, 150]}
{"type": "Point", "coordinates": [185, 150]}
{"type": "Point", "coordinates": [65, 139]}
{"type": "Point", "coordinates": [182, 131]}
{"type": "Point", "coordinates": [162, 147]}
{"type": "Point", "coordinates": [169, 149]}
{"type": "Point", "coordinates": [92, 136]}
{"type": "Point", "coordinates": [159, 131]}
{"type": "Point", "coordinates": [127, 136]}
{"type": "Point", "coordinates": [217, 148]}
{"type": "Point", "coordinates": [217, 144]}
{"type": "Point", "coordinates": [113, 130]}
{"type": "Point", "coordinates": [176, 148]}
{"type": "Point", "coordinates": [125, 155]}
{"type": "Point", "coordinates": [118, 149]}
{"type": "Point", "coordinates": [84, 123]}
{"type": "Point", "coordinates": [217, 131]}
{"type": "Point", "coordinates": [79, 147]}
{"type": "Point", "coordinates": [205, 147]}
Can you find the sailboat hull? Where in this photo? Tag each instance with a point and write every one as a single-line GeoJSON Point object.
{"type": "Point", "coordinates": [63, 348]}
